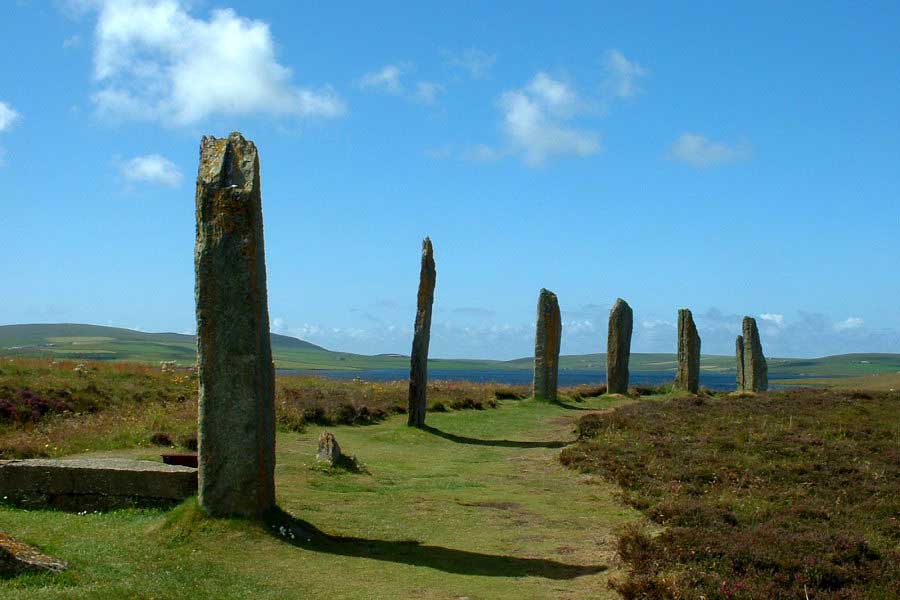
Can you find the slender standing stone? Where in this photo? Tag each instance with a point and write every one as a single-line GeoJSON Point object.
{"type": "Point", "coordinates": [756, 371]}
{"type": "Point", "coordinates": [688, 376]}
{"type": "Point", "coordinates": [618, 347]}
{"type": "Point", "coordinates": [237, 378]}
{"type": "Point", "coordinates": [418, 363]}
{"type": "Point", "coordinates": [547, 336]}
{"type": "Point", "coordinates": [739, 355]}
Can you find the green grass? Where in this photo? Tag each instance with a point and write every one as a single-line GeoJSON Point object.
{"type": "Point", "coordinates": [478, 507]}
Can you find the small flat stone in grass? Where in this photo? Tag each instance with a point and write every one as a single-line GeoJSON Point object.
{"type": "Point", "coordinates": [18, 557]}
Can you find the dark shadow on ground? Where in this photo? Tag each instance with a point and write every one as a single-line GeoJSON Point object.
{"type": "Point", "coordinates": [501, 443]}
{"type": "Point", "coordinates": [570, 407]}
{"type": "Point", "coordinates": [302, 534]}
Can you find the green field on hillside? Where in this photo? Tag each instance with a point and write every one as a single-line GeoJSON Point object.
{"type": "Point", "coordinates": [75, 341]}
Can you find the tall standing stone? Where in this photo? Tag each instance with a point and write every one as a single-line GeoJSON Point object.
{"type": "Point", "coordinates": [618, 347]}
{"type": "Point", "coordinates": [418, 364]}
{"type": "Point", "coordinates": [756, 371]}
{"type": "Point", "coordinates": [237, 377]}
{"type": "Point", "coordinates": [739, 356]}
{"type": "Point", "coordinates": [547, 336]}
{"type": "Point", "coordinates": [688, 376]}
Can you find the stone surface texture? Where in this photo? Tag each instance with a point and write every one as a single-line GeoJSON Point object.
{"type": "Point", "coordinates": [739, 358]}
{"type": "Point", "coordinates": [329, 449]}
{"type": "Point", "coordinates": [688, 376]}
{"type": "Point", "coordinates": [100, 483]}
{"type": "Point", "coordinates": [756, 370]}
{"type": "Point", "coordinates": [618, 347]}
{"type": "Point", "coordinates": [547, 337]}
{"type": "Point", "coordinates": [418, 363]}
{"type": "Point", "coordinates": [237, 377]}
{"type": "Point", "coordinates": [18, 557]}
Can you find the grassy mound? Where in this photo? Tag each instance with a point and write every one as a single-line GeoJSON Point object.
{"type": "Point", "coordinates": [786, 495]}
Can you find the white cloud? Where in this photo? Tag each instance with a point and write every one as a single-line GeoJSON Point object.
{"type": "Point", "coordinates": [533, 121]}
{"type": "Point", "coordinates": [152, 168]}
{"type": "Point", "coordinates": [623, 76]}
{"type": "Point", "coordinates": [777, 320]}
{"type": "Point", "coordinates": [154, 61]}
{"type": "Point", "coordinates": [8, 116]}
{"type": "Point", "coordinates": [386, 79]}
{"type": "Point", "coordinates": [477, 63]}
{"type": "Point", "coordinates": [428, 91]}
{"type": "Point", "coordinates": [701, 152]}
{"type": "Point", "coordinates": [556, 95]}
{"type": "Point", "coordinates": [849, 324]}
{"type": "Point", "coordinates": [72, 41]}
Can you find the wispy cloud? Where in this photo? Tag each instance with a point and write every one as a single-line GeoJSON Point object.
{"type": "Point", "coordinates": [539, 120]}
{"type": "Point", "coordinates": [428, 91]}
{"type": "Point", "coordinates": [8, 116]}
{"type": "Point", "coordinates": [849, 324]}
{"type": "Point", "coordinates": [389, 79]}
{"type": "Point", "coordinates": [477, 63]}
{"type": "Point", "coordinates": [623, 76]}
{"type": "Point", "coordinates": [701, 152]}
{"type": "Point", "coordinates": [154, 61]}
{"type": "Point", "coordinates": [151, 168]}
{"type": "Point", "coordinates": [386, 79]}
{"type": "Point", "coordinates": [534, 121]}
{"type": "Point", "coordinates": [775, 319]}
{"type": "Point", "coordinates": [72, 41]}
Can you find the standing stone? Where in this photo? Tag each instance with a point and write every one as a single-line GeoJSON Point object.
{"type": "Point", "coordinates": [739, 355]}
{"type": "Point", "coordinates": [618, 347]}
{"type": "Point", "coordinates": [756, 371]}
{"type": "Point", "coordinates": [237, 377]}
{"type": "Point", "coordinates": [329, 450]}
{"type": "Point", "coordinates": [418, 364]}
{"type": "Point", "coordinates": [547, 336]}
{"type": "Point", "coordinates": [688, 376]}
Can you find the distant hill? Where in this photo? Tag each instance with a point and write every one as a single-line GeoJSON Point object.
{"type": "Point", "coordinates": [77, 341]}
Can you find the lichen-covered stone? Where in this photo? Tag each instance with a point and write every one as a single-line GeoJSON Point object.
{"type": "Point", "coordinates": [756, 371]}
{"type": "Point", "coordinates": [18, 557]}
{"type": "Point", "coordinates": [329, 449]}
{"type": "Point", "coordinates": [688, 376]}
{"type": "Point", "coordinates": [418, 363]}
{"type": "Point", "coordinates": [547, 336]}
{"type": "Point", "coordinates": [237, 377]}
{"type": "Point", "coordinates": [739, 357]}
{"type": "Point", "coordinates": [618, 347]}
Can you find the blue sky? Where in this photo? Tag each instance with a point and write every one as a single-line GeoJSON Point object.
{"type": "Point", "coordinates": [738, 159]}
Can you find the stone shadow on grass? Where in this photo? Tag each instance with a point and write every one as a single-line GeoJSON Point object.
{"type": "Point", "coordinates": [303, 534]}
{"type": "Point", "coordinates": [570, 407]}
{"type": "Point", "coordinates": [500, 443]}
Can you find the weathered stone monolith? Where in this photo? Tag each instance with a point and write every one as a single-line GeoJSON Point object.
{"type": "Point", "coordinates": [237, 377]}
{"type": "Point", "coordinates": [739, 357]}
{"type": "Point", "coordinates": [418, 363]}
{"type": "Point", "coordinates": [618, 347]}
{"type": "Point", "coordinates": [756, 371]}
{"type": "Point", "coordinates": [688, 376]}
{"type": "Point", "coordinates": [547, 336]}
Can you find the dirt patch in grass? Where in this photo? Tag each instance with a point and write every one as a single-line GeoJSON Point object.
{"type": "Point", "coordinates": [783, 495]}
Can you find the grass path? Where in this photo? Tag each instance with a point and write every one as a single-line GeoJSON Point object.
{"type": "Point", "coordinates": [477, 506]}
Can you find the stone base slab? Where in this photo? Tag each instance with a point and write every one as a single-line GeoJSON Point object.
{"type": "Point", "coordinates": [94, 484]}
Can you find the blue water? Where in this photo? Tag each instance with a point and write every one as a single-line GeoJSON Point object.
{"type": "Point", "coordinates": [567, 377]}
